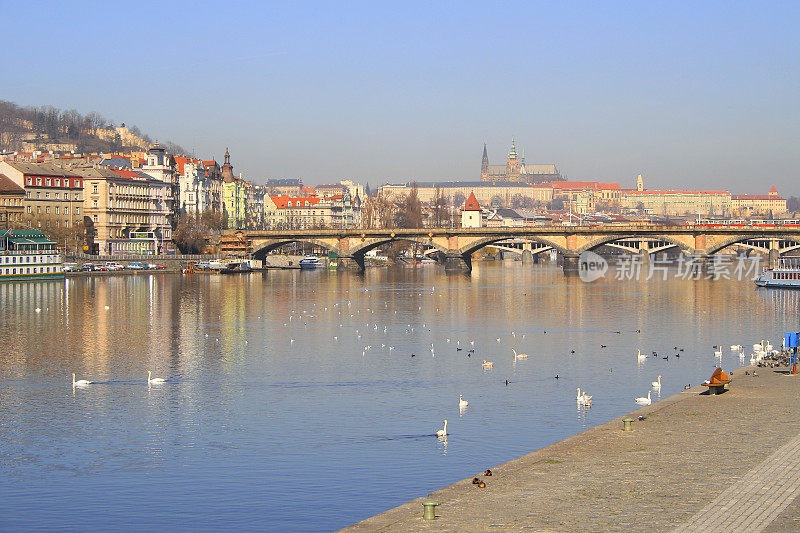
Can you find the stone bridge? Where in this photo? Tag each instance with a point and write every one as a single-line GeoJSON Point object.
{"type": "Point", "coordinates": [458, 244]}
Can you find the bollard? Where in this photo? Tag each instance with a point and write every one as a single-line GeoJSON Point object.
{"type": "Point", "coordinates": [626, 424]}
{"type": "Point", "coordinates": [430, 509]}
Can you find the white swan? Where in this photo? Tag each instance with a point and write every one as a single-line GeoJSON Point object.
{"type": "Point", "coordinates": [80, 382]}
{"type": "Point", "coordinates": [462, 402]}
{"type": "Point", "coordinates": [583, 398]}
{"type": "Point", "coordinates": [442, 432]}
{"type": "Point", "coordinates": [487, 364]}
{"type": "Point", "coordinates": [640, 356]}
{"type": "Point", "coordinates": [718, 353]}
{"type": "Point", "coordinates": [151, 379]}
{"type": "Point", "coordinates": [657, 384]}
{"type": "Point", "coordinates": [519, 355]}
{"type": "Point", "coordinates": [644, 401]}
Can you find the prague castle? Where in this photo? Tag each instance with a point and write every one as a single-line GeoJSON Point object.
{"type": "Point", "coordinates": [516, 169]}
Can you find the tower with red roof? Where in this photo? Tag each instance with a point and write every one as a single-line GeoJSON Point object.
{"type": "Point", "coordinates": [471, 213]}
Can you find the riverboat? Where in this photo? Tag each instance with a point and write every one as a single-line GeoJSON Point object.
{"type": "Point", "coordinates": [309, 262]}
{"type": "Point", "coordinates": [785, 275]}
{"type": "Point", "coordinates": [236, 267]}
{"type": "Point", "coordinates": [27, 254]}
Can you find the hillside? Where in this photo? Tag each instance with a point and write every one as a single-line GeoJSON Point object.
{"type": "Point", "coordinates": [46, 128]}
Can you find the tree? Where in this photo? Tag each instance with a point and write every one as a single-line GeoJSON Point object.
{"type": "Point", "coordinates": [190, 235]}
{"type": "Point", "coordinates": [556, 204]}
{"type": "Point", "coordinates": [459, 199]}
{"type": "Point", "coordinates": [440, 210]}
{"type": "Point", "coordinates": [410, 213]}
{"type": "Point", "coordinates": [793, 203]}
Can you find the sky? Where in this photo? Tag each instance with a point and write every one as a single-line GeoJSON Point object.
{"type": "Point", "coordinates": [691, 95]}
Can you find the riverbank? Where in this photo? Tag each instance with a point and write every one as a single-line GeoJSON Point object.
{"type": "Point", "coordinates": [694, 461]}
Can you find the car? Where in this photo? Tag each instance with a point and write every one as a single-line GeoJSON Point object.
{"type": "Point", "coordinates": [153, 266]}
{"type": "Point", "coordinates": [69, 267]}
{"type": "Point", "coordinates": [135, 265]}
{"type": "Point", "coordinates": [112, 266]}
{"type": "Point", "coordinates": [88, 267]}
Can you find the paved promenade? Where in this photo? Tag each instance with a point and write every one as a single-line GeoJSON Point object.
{"type": "Point", "coordinates": [696, 463]}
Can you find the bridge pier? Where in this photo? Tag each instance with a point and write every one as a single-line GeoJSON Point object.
{"type": "Point", "coordinates": [457, 263]}
{"type": "Point", "coordinates": [570, 264]}
{"type": "Point", "coordinates": [354, 263]}
{"type": "Point", "coordinates": [527, 257]}
{"type": "Point", "coordinates": [774, 258]}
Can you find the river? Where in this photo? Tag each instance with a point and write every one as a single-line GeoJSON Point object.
{"type": "Point", "coordinates": [293, 401]}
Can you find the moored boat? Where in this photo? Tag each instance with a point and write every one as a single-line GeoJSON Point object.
{"type": "Point", "coordinates": [785, 275]}
{"type": "Point", "coordinates": [28, 255]}
{"type": "Point", "coordinates": [309, 262]}
{"type": "Point", "coordinates": [236, 267]}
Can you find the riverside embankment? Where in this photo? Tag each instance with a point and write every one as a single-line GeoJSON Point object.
{"type": "Point", "coordinates": [695, 462]}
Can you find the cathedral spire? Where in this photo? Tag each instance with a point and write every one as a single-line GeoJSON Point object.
{"type": "Point", "coordinates": [227, 156]}
{"type": "Point", "coordinates": [484, 163]}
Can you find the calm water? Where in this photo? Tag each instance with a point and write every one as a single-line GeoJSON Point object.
{"type": "Point", "coordinates": [277, 417]}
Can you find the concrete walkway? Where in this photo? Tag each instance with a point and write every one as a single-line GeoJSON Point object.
{"type": "Point", "coordinates": [696, 463]}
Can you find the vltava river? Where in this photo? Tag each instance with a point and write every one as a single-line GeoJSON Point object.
{"type": "Point", "coordinates": [293, 402]}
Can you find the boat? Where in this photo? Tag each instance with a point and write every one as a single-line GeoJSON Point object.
{"type": "Point", "coordinates": [27, 254]}
{"type": "Point", "coordinates": [785, 275]}
{"type": "Point", "coordinates": [310, 262]}
{"type": "Point", "coordinates": [236, 267]}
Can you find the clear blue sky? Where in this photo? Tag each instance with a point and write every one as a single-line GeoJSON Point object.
{"type": "Point", "coordinates": [689, 95]}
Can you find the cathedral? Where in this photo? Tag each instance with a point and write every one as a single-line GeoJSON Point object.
{"type": "Point", "coordinates": [516, 169]}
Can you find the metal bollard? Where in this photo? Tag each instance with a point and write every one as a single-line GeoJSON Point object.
{"type": "Point", "coordinates": [430, 509]}
{"type": "Point", "coordinates": [626, 424]}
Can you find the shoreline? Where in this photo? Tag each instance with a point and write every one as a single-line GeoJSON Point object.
{"type": "Point", "coordinates": [608, 479]}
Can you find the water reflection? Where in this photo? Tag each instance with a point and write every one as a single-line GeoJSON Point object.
{"type": "Point", "coordinates": [300, 376]}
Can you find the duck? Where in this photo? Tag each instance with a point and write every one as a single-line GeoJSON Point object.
{"type": "Point", "coordinates": [442, 432]}
{"type": "Point", "coordinates": [519, 355]}
{"type": "Point", "coordinates": [657, 384]}
{"type": "Point", "coordinates": [475, 481]}
{"type": "Point", "coordinates": [151, 379]}
{"type": "Point", "coordinates": [487, 364]}
{"type": "Point", "coordinates": [80, 382]}
{"type": "Point", "coordinates": [488, 472]}
{"type": "Point", "coordinates": [583, 398]}
{"type": "Point", "coordinates": [644, 401]}
{"type": "Point", "coordinates": [462, 402]}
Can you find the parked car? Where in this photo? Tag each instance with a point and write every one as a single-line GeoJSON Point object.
{"type": "Point", "coordinates": [202, 265]}
{"type": "Point", "coordinates": [112, 266]}
{"type": "Point", "coordinates": [153, 266]}
{"type": "Point", "coordinates": [87, 267]}
{"type": "Point", "coordinates": [136, 265]}
{"type": "Point", "coordinates": [69, 267]}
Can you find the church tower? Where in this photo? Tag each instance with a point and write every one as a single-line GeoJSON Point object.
{"type": "Point", "coordinates": [484, 164]}
{"type": "Point", "coordinates": [227, 168]}
{"type": "Point", "coordinates": [639, 183]}
{"type": "Point", "coordinates": [513, 169]}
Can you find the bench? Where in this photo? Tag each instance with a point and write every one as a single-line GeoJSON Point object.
{"type": "Point", "coordinates": [718, 382]}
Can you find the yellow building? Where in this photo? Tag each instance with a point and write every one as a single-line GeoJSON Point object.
{"type": "Point", "coordinates": [758, 204]}
{"type": "Point", "coordinates": [12, 197]}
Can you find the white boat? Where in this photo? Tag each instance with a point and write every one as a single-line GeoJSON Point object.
{"type": "Point", "coordinates": [310, 262]}
{"type": "Point", "coordinates": [785, 275]}
{"type": "Point", "coordinates": [28, 255]}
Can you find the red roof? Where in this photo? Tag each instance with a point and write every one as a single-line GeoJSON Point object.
{"type": "Point", "coordinates": [283, 201]}
{"type": "Point", "coordinates": [584, 185]}
{"type": "Point", "coordinates": [756, 197]}
{"type": "Point", "coordinates": [8, 186]}
{"type": "Point", "coordinates": [678, 192]}
{"type": "Point", "coordinates": [472, 203]}
{"type": "Point", "coordinates": [773, 190]}
{"type": "Point", "coordinates": [129, 174]}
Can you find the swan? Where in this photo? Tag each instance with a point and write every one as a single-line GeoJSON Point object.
{"type": "Point", "coordinates": [151, 379]}
{"type": "Point", "coordinates": [487, 364]}
{"type": "Point", "coordinates": [80, 382]}
{"type": "Point", "coordinates": [583, 398]}
{"type": "Point", "coordinates": [462, 402]}
{"type": "Point", "coordinates": [657, 384]}
{"type": "Point", "coordinates": [644, 401]}
{"type": "Point", "coordinates": [442, 432]}
{"type": "Point", "coordinates": [519, 355]}
{"type": "Point", "coordinates": [640, 356]}
{"type": "Point", "coordinates": [718, 353]}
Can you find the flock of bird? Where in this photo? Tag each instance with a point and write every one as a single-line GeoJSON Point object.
{"type": "Point", "coordinates": [85, 382]}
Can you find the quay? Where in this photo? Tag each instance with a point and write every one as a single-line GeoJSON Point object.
{"type": "Point", "coordinates": [697, 462]}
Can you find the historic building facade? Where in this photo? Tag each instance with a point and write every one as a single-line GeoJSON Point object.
{"type": "Point", "coordinates": [12, 199]}
{"type": "Point", "coordinates": [516, 169]}
{"type": "Point", "coordinates": [53, 195]}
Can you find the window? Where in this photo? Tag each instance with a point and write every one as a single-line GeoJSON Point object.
{"type": "Point", "coordinates": [95, 218]}
{"type": "Point", "coordinates": [76, 196]}
{"type": "Point", "coordinates": [48, 181]}
{"type": "Point", "coordinates": [94, 188]}
{"type": "Point", "coordinates": [30, 210]}
{"type": "Point", "coordinates": [30, 181]}
{"type": "Point", "coordinates": [38, 209]}
{"type": "Point", "coordinates": [39, 182]}
{"type": "Point", "coordinates": [56, 196]}
{"type": "Point", "coordinates": [94, 204]}
{"type": "Point", "coordinates": [47, 209]}
{"type": "Point", "coordinates": [58, 182]}
{"type": "Point", "coordinates": [77, 210]}
{"type": "Point", "coordinates": [38, 194]}
{"type": "Point", "coordinates": [57, 211]}
{"type": "Point", "coordinates": [47, 195]}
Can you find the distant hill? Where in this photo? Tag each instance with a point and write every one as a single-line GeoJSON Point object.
{"type": "Point", "coordinates": [46, 128]}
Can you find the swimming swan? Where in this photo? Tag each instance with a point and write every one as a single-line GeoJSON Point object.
{"type": "Point", "coordinates": [657, 384]}
{"type": "Point", "coordinates": [583, 398]}
{"type": "Point", "coordinates": [519, 355]}
{"type": "Point", "coordinates": [462, 402]}
{"type": "Point", "coordinates": [644, 401]}
{"type": "Point", "coordinates": [151, 379]}
{"type": "Point", "coordinates": [80, 382]}
{"type": "Point", "coordinates": [442, 432]}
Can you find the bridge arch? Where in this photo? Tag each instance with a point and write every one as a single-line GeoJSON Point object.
{"type": "Point", "coordinates": [606, 239]}
{"type": "Point", "coordinates": [366, 245]}
{"type": "Point", "coordinates": [263, 248]}
{"type": "Point", "coordinates": [476, 245]}
{"type": "Point", "coordinates": [737, 239]}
